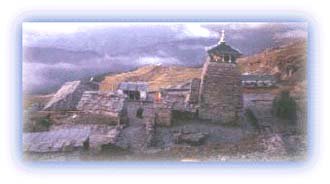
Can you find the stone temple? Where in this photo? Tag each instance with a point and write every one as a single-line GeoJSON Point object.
{"type": "Point", "coordinates": [220, 97]}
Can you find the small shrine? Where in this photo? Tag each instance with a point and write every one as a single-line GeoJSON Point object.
{"type": "Point", "coordinates": [222, 52]}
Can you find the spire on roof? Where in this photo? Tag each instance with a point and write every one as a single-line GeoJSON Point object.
{"type": "Point", "coordinates": [222, 39]}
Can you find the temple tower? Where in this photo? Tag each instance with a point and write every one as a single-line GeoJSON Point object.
{"type": "Point", "coordinates": [220, 96]}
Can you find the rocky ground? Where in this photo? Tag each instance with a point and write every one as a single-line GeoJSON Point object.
{"type": "Point", "coordinates": [192, 140]}
{"type": "Point", "coordinates": [252, 147]}
{"type": "Point", "coordinates": [218, 144]}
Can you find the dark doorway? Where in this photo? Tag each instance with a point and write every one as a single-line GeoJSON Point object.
{"type": "Point", "coordinates": [133, 95]}
{"type": "Point", "coordinates": [139, 113]}
{"type": "Point", "coordinates": [226, 58]}
{"type": "Point", "coordinates": [86, 144]}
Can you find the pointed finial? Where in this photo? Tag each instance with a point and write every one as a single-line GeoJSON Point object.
{"type": "Point", "coordinates": [222, 39]}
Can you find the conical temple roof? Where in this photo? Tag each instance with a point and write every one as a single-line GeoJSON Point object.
{"type": "Point", "coordinates": [223, 48]}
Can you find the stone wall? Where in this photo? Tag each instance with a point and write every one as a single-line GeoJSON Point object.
{"type": "Point", "coordinates": [163, 116]}
{"type": "Point", "coordinates": [194, 91]}
{"type": "Point", "coordinates": [220, 92]}
{"type": "Point", "coordinates": [160, 113]}
{"type": "Point", "coordinates": [100, 107]}
{"type": "Point", "coordinates": [150, 126]}
{"type": "Point", "coordinates": [258, 100]}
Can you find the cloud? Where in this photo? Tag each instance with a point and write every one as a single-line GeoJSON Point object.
{"type": "Point", "coordinates": [35, 76]}
{"type": "Point", "coordinates": [291, 34]}
{"type": "Point", "coordinates": [67, 49]}
{"type": "Point", "coordinates": [191, 47]}
{"type": "Point", "coordinates": [35, 32]}
{"type": "Point", "coordinates": [193, 30]}
{"type": "Point", "coordinates": [245, 25]}
{"type": "Point", "coordinates": [157, 60]}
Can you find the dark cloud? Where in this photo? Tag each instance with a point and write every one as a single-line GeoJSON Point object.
{"type": "Point", "coordinates": [74, 51]}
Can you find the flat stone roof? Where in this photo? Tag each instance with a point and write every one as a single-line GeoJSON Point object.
{"type": "Point", "coordinates": [55, 141]}
{"type": "Point", "coordinates": [133, 86]}
{"type": "Point", "coordinates": [258, 78]}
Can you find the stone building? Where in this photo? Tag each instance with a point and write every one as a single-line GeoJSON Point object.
{"type": "Point", "coordinates": [102, 108]}
{"type": "Point", "coordinates": [134, 90]}
{"type": "Point", "coordinates": [258, 81]}
{"type": "Point", "coordinates": [220, 96]}
{"type": "Point", "coordinates": [182, 98]}
{"type": "Point", "coordinates": [68, 96]}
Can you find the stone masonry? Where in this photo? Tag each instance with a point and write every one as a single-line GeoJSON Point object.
{"type": "Point", "coordinates": [100, 107]}
{"type": "Point", "coordinates": [68, 96]}
{"type": "Point", "coordinates": [220, 92]}
{"type": "Point", "coordinates": [194, 91]}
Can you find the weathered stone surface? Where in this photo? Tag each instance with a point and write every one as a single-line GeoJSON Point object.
{"type": "Point", "coordinates": [259, 100]}
{"type": "Point", "coordinates": [68, 138]}
{"type": "Point", "coordinates": [100, 107]}
{"type": "Point", "coordinates": [182, 99]}
{"type": "Point", "coordinates": [96, 141]}
{"type": "Point", "coordinates": [194, 91]}
{"type": "Point", "coordinates": [150, 130]}
{"type": "Point", "coordinates": [163, 115]}
{"type": "Point", "coordinates": [68, 96]}
{"type": "Point", "coordinates": [260, 104]}
{"type": "Point", "coordinates": [191, 138]}
{"type": "Point", "coordinates": [272, 144]}
{"type": "Point", "coordinates": [160, 113]}
{"type": "Point", "coordinates": [220, 92]}
{"type": "Point", "coordinates": [55, 141]}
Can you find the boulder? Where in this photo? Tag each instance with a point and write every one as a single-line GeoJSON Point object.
{"type": "Point", "coordinates": [272, 144]}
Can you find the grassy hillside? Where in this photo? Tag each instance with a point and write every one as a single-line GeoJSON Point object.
{"type": "Point", "coordinates": [36, 99]}
{"type": "Point", "coordinates": [156, 76]}
{"type": "Point", "coordinates": [287, 62]}
{"type": "Point", "coordinates": [277, 61]}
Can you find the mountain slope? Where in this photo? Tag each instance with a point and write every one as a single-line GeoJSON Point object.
{"type": "Point", "coordinates": [156, 76]}
{"type": "Point", "coordinates": [287, 62]}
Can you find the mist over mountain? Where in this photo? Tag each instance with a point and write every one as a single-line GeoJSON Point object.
{"type": "Point", "coordinates": [54, 53]}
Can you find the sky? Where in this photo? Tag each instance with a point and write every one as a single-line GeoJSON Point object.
{"type": "Point", "coordinates": [56, 52]}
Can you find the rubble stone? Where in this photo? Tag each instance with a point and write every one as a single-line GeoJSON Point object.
{"type": "Point", "coordinates": [272, 144]}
